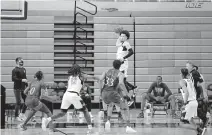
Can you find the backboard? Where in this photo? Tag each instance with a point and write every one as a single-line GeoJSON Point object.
{"type": "Point", "coordinates": [14, 9]}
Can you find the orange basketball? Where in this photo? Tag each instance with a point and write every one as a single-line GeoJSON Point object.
{"type": "Point", "coordinates": [61, 85]}
{"type": "Point", "coordinates": [54, 85]}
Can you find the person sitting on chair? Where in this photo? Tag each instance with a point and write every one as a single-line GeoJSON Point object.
{"type": "Point", "coordinates": [85, 94]}
{"type": "Point", "coordinates": [158, 88]}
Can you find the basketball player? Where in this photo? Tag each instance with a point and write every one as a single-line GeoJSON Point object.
{"type": "Point", "coordinates": [189, 97]}
{"type": "Point", "coordinates": [123, 53]}
{"type": "Point", "coordinates": [115, 92]}
{"type": "Point", "coordinates": [201, 94]}
{"type": "Point", "coordinates": [33, 92]}
{"type": "Point", "coordinates": [72, 96]}
{"type": "Point", "coordinates": [20, 82]}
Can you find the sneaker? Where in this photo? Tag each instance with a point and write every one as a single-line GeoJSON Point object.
{"type": "Point", "coordinates": [23, 127]}
{"type": "Point", "coordinates": [90, 115]}
{"type": "Point", "coordinates": [107, 125]}
{"type": "Point", "coordinates": [22, 116]}
{"type": "Point", "coordinates": [130, 130]}
{"type": "Point", "coordinates": [18, 119]}
{"type": "Point", "coordinates": [90, 131]}
{"type": "Point", "coordinates": [33, 119]}
{"type": "Point", "coordinates": [45, 122]}
{"type": "Point", "coordinates": [130, 102]}
{"type": "Point", "coordinates": [141, 115]}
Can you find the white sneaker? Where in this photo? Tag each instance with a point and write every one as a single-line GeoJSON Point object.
{"type": "Point", "coordinates": [45, 122]}
{"type": "Point", "coordinates": [107, 125]}
{"type": "Point", "coordinates": [22, 116]}
{"type": "Point", "coordinates": [18, 119]}
{"type": "Point", "coordinates": [130, 130]}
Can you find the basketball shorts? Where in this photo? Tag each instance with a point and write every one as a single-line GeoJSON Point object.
{"type": "Point", "coordinates": [71, 99]}
{"type": "Point", "coordinates": [113, 97]}
{"type": "Point", "coordinates": [191, 110]}
{"type": "Point", "coordinates": [33, 103]}
{"type": "Point", "coordinates": [124, 67]}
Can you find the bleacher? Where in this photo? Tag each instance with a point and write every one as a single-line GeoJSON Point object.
{"type": "Point", "coordinates": [167, 35]}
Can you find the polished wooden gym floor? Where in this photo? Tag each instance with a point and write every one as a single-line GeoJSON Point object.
{"type": "Point", "coordinates": [159, 125]}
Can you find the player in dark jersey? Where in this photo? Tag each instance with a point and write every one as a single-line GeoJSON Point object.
{"type": "Point", "coordinates": [115, 92]}
{"type": "Point", "coordinates": [201, 96]}
{"type": "Point", "coordinates": [33, 92]}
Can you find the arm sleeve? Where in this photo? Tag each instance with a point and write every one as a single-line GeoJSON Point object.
{"type": "Point", "coordinates": [14, 76]}
{"type": "Point", "coordinates": [130, 53]}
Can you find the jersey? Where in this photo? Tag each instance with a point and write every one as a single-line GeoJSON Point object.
{"type": "Point", "coordinates": [123, 49]}
{"type": "Point", "coordinates": [35, 88]}
{"type": "Point", "coordinates": [111, 80]}
{"type": "Point", "coordinates": [74, 84]}
{"type": "Point", "coordinates": [191, 89]}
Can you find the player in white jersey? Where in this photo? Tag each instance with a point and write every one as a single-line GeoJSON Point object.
{"type": "Point", "coordinates": [71, 96]}
{"type": "Point", "coordinates": [189, 98]}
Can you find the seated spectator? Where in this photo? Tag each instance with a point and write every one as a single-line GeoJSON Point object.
{"type": "Point", "coordinates": [86, 97]}
{"type": "Point", "coordinates": [156, 94]}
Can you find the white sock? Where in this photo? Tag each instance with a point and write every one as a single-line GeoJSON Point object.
{"type": "Point", "coordinates": [49, 119]}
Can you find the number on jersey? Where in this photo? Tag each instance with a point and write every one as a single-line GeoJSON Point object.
{"type": "Point", "coordinates": [32, 91]}
{"type": "Point", "coordinates": [109, 81]}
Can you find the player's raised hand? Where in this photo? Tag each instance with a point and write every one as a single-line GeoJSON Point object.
{"type": "Point", "coordinates": [118, 30]}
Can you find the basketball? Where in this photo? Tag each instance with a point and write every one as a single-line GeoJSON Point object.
{"type": "Point", "coordinates": [54, 85]}
{"type": "Point", "coordinates": [61, 85]}
{"type": "Point", "coordinates": [118, 30]}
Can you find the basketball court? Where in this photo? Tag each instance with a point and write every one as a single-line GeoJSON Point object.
{"type": "Point", "coordinates": [52, 35]}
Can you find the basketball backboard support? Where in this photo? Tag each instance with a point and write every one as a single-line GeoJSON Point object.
{"type": "Point", "coordinates": [14, 9]}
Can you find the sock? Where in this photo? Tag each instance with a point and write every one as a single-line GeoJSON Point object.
{"type": "Point", "coordinates": [89, 126]}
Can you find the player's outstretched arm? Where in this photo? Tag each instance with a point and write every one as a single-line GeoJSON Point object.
{"type": "Point", "coordinates": [86, 76]}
